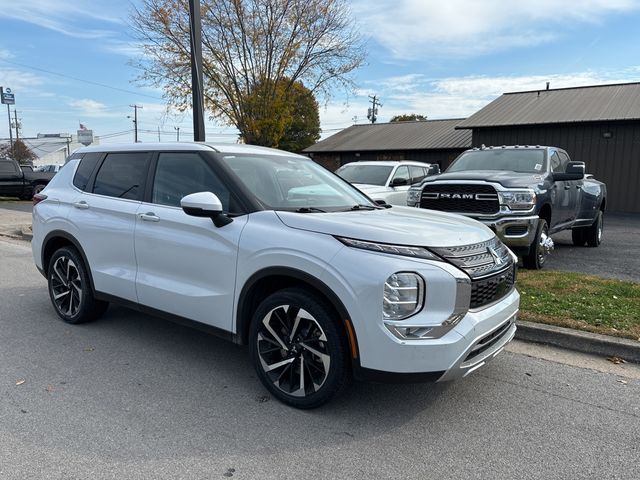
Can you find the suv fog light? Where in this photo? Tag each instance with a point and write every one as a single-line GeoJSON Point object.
{"type": "Point", "coordinates": [403, 295]}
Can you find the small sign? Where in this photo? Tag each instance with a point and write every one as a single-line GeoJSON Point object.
{"type": "Point", "coordinates": [85, 137]}
{"type": "Point", "coordinates": [7, 96]}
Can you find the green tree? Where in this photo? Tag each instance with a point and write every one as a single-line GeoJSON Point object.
{"type": "Point", "coordinates": [409, 117]}
{"type": "Point", "coordinates": [20, 152]}
{"type": "Point", "coordinates": [253, 51]}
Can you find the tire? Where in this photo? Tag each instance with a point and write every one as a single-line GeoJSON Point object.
{"type": "Point", "coordinates": [578, 236]}
{"type": "Point", "coordinates": [593, 234]}
{"type": "Point", "coordinates": [69, 288]}
{"type": "Point", "coordinates": [294, 330]}
{"type": "Point", "coordinates": [38, 188]}
{"type": "Point", "coordinates": [540, 248]}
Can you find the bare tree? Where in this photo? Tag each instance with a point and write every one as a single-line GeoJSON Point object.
{"type": "Point", "coordinates": [248, 46]}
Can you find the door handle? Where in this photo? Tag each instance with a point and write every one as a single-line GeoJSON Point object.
{"type": "Point", "coordinates": [82, 205]}
{"type": "Point", "coordinates": [149, 217]}
{"type": "Point", "coordinates": [578, 186]}
{"type": "Point", "coordinates": [567, 187]}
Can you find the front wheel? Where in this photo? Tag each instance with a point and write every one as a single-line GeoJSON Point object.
{"type": "Point", "coordinates": [69, 288]}
{"type": "Point", "coordinates": [298, 348]}
{"type": "Point", "coordinates": [540, 249]}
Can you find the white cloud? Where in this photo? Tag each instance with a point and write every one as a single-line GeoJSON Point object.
{"type": "Point", "coordinates": [453, 97]}
{"type": "Point", "coordinates": [90, 108]}
{"type": "Point", "coordinates": [413, 29]}
{"type": "Point", "coordinates": [18, 80]}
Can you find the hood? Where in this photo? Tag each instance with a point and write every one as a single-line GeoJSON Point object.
{"type": "Point", "coordinates": [396, 225]}
{"type": "Point", "coordinates": [505, 178]}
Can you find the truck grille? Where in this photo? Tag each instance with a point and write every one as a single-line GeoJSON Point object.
{"type": "Point", "coordinates": [490, 266]}
{"type": "Point", "coordinates": [448, 197]}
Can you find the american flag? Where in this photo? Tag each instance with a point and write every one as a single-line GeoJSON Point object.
{"type": "Point", "coordinates": [83, 126]}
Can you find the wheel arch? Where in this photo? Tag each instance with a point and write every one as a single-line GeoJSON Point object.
{"type": "Point", "coordinates": [269, 280]}
{"type": "Point", "coordinates": [545, 213]}
{"type": "Point", "coordinates": [57, 239]}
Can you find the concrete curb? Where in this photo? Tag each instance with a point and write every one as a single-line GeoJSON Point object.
{"type": "Point", "coordinates": [27, 233]}
{"type": "Point", "coordinates": [586, 342]}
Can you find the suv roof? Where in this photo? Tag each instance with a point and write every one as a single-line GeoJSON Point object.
{"type": "Point", "coordinates": [389, 163]}
{"type": "Point", "coordinates": [177, 146]}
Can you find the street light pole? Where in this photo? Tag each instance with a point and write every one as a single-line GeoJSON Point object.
{"type": "Point", "coordinates": [195, 41]}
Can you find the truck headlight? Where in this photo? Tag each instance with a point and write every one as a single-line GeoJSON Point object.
{"type": "Point", "coordinates": [413, 196]}
{"type": "Point", "coordinates": [518, 200]}
{"type": "Point", "coordinates": [403, 295]}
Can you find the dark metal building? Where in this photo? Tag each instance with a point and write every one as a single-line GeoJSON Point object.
{"type": "Point", "coordinates": [598, 125]}
{"type": "Point", "coordinates": [431, 141]}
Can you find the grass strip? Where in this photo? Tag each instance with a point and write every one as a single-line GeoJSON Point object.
{"type": "Point", "coordinates": [582, 302]}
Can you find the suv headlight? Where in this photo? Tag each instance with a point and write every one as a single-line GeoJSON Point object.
{"type": "Point", "coordinates": [413, 196]}
{"type": "Point", "coordinates": [518, 200]}
{"type": "Point", "coordinates": [404, 250]}
{"type": "Point", "coordinates": [403, 295]}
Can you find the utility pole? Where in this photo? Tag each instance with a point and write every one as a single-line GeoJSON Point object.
{"type": "Point", "coordinates": [372, 113]}
{"type": "Point", "coordinates": [135, 120]}
{"type": "Point", "coordinates": [195, 41]}
{"type": "Point", "coordinates": [15, 116]}
{"type": "Point", "coordinates": [177, 129]}
{"type": "Point", "coordinates": [10, 129]}
{"type": "Point", "coordinates": [159, 134]}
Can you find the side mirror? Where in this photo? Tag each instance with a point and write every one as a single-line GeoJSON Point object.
{"type": "Point", "coordinates": [434, 169]}
{"type": "Point", "coordinates": [398, 182]}
{"type": "Point", "coordinates": [205, 204]}
{"type": "Point", "coordinates": [574, 171]}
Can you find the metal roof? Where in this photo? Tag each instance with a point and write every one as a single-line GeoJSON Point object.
{"type": "Point", "coordinates": [594, 103]}
{"type": "Point", "coordinates": [424, 135]}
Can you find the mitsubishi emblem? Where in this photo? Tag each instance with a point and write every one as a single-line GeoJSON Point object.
{"type": "Point", "coordinates": [496, 258]}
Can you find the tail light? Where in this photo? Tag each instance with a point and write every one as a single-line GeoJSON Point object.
{"type": "Point", "coordinates": [38, 197]}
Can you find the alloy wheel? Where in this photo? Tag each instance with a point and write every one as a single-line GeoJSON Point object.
{"type": "Point", "coordinates": [66, 286]}
{"type": "Point", "coordinates": [293, 350]}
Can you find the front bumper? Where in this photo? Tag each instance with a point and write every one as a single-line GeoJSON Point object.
{"type": "Point", "coordinates": [514, 231]}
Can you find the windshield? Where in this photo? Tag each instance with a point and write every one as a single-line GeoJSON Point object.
{"type": "Point", "coordinates": [522, 161]}
{"type": "Point", "coordinates": [294, 183]}
{"type": "Point", "coordinates": [365, 174]}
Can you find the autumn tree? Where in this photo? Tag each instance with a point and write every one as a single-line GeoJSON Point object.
{"type": "Point", "coordinates": [409, 117]}
{"type": "Point", "coordinates": [20, 152]}
{"type": "Point", "coordinates": [254, 54]}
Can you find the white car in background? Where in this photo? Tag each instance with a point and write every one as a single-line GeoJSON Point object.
{"type": "Point", "coordinates": [387, 181]}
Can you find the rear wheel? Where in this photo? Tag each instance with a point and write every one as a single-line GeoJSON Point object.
{"type": "Point", "coordinates": [38, 188]}
{"type": "Point", "coordinates": [593, 234]}
{"type": "Point", "coordinates": [540, 249]}
{"type": "Point", "coordinates": [298, 348]}
{"type": "Point", "coordinates": [70, 289]}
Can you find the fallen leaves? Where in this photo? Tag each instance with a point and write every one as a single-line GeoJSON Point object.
{"type": "Point", "coordinates": [88, 349]}
{"type": "Point", "coordinates": [616, 360]}
{"type": "Point", "coordinates": [20, 382]}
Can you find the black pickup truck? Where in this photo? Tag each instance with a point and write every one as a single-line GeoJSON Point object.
{"type": "Point", "coordinates": [22, 182]}
{"type": "Point", "coordinates": [524, 193]}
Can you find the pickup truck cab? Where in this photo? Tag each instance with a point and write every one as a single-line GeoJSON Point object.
{"type": "Point", "coordinates": [21, 181]}
{"type": "Point", "coordinates": [523, 193]}
{"type": "Point", "coordinates": [386, 181]}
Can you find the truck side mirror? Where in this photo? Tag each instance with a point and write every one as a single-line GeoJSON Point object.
{"type": "Point", "coordinates": [398, 182]}
{"type": "Point", "coordinates": [434, 169]}
{"type": "Point", "coordinates": [574, 171]}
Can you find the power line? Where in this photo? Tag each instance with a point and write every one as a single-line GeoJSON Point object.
{"type": "Point", "coordinates": [90, 82]}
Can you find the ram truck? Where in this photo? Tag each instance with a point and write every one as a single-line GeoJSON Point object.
{"type": "Point", "coordinates": [523, 193]}
{"type": "Point", "coordinates": [21, 181]}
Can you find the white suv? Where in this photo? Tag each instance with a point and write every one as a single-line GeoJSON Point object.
{"type": "Point", "coordinates": [271, 250]}
{"type": "Point", "coordinates": [387, 181]}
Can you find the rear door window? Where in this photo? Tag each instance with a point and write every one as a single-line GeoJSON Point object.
{"type": "Point", "coordinates": [122, 175]}
{"type": "Point", "coordinates": [417, 173]}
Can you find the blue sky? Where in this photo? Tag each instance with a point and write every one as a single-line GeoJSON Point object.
{"type": "Point", "coordinates": [442, 59]}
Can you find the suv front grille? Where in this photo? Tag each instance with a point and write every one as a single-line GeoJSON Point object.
{"type": "Point", "coordinates": [463, 198]}
{"type": "Point", "coordinates": [490, 266]}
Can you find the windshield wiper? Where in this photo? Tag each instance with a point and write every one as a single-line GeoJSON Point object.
{"type": "Point", "coordinates": [309, 210]}
{"type": "Point", "coordinates": [362, 207]}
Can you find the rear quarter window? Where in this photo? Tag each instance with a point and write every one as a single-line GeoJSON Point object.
{"type": "Point", "coordinates": [85, 169]}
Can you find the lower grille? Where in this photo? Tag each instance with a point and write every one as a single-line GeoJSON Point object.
{"type": "Point", "coordinates": [488, 341]}
{"type": "Point", "coordinates": [516, 230]}
{"type": "Point", "coordinates": [492, 288]}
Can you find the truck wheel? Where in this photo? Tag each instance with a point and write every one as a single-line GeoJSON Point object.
{"type": "Point", "coordinates": [593, 234]}
{"type": "Point", "coordinates": [38, 188]}
{"type": "Point", "coordinates": [69, 288]}
{"type": "Point", "coordinates": [298, 348]}
{"type": "Point", "coordinates": [578, 236]}
{"type": "Point", "coordinates": [541, 247]}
